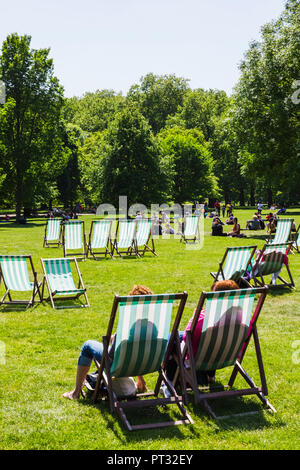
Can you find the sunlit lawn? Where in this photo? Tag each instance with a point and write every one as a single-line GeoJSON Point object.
{"type": "Point", "coordinates": [42, 347]}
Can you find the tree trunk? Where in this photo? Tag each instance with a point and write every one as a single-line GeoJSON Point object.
{"type": "Point", "coordinates": [252, 194]}
{"type": "Point", "coordinates": [270, 196]}
{"type": "Point", "coordinates": [19, 195]}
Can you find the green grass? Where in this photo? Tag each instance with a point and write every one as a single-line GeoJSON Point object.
{"type": "Point", "coordinates": [42, 347]}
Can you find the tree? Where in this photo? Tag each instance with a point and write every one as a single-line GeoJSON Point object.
{"type": "Point", "coordinates": [30, 119]}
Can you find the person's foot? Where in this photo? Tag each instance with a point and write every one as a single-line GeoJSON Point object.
{"type": "Point", "coordinates": [74, 395]}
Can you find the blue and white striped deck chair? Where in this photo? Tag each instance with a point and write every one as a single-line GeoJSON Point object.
{"type": "Point", "coordinates": [58, 278]}
{"type": "Point", "coordinates": [142, 346]}
{"type": "Point", "coordinates": [15, 275]}
{"type": "Point", "coordinates": [53, 232]}
{"type": "Point", "coordinates": [191, 232]}
{"type": "Point", "coordinates": [229, 323]}
{"type": "Point", "coordinates": [234, 264]}
{"type": "Point", "coordinates": [270, 263]}
{"type": "Point", "coordinates": [283, 232]}
{"type": "Point", "coordinates": [125, 238]}
{"type": "Point", "coordinates": [99, 238]}
{"type": "Point", "coordinates": [74, 238]}
{"type": "Point", "coordinates": [143, 236]}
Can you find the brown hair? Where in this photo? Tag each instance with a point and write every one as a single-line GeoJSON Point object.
{"type": "Point", "coordinates": [140, 290]}
{"type": "Point", "coordinates": [225, 285]}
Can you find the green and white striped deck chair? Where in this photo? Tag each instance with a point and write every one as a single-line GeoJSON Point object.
{"type": "Point", "coordinates": [143, 236]}
{"type": "Point", "coordinates": [74, 238]}
{"type": "Point", "coordinates": [296, 241]}
{"type": "Point", "coordinates": [58, 278]}
{"type": "Point", "coordinates": [99, 238]}
{"type": "Point", "coordinates": [269, 263]}
{"type": "Point", "coordinates": [142, 346]}
{"type": "Point", "coordinates": [53, 232]}
{"type": "Point", "coordinates": [234, 264]}
{"type": "Point", "coordinates": [125, 238]}
{"type": "Point", "coordinates": [228, 325]}
{"type": "Point", "coordinates": [191, 231]}
{"type": "Point", "coordinates": [15, 276]}
{"type": "Point", "coordinates": [283, 232]}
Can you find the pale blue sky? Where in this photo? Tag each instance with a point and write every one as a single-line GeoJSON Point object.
{"type": "Point", "coordinates": [98, 44]}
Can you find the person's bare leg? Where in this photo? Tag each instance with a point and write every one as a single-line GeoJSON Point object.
{"type": "Point", "coordinates": [141, 384]}
{"type": "Point", "coordinates": [80, 378]}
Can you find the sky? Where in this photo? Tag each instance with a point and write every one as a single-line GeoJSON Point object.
{"type": "Point", "coordinates": [111, 44]}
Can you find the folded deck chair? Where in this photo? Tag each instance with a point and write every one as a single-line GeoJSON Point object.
{"type": "Point", "coordinates": [228, 325]}
{"type": "Point", "coordinates": [234, 264]}
{"type": "Point", "coordinates": [191, 232]}
{"type": "Point", "coordinates": [15, 275]}
{"type": "Point", "coordinates": [58, 278]}
{"type": "Point", "coordinates": [99, 238]}
{"type": "Point", "coordinates": [125, 238]}
{"type": "Point", "coordinates": [269, 263]}
{"type": "Point", "coordinates": [283, 232]}
{"type": "Point", "coordinates": [53, 232]}
{"type": "Point", "coordinates": [143, 236]}
{"type": "Point", "coordinates": [74, 239]}
{"type": "Point", "coordinates": [141, 347]}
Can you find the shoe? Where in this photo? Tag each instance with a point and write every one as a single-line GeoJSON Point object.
{"type": "Point", "coordinates": [165, 391]}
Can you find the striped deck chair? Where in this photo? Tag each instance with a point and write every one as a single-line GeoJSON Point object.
{"type": "Point", "coordinates": [15, 275]}
{"type": "Point", "coordinates": [142, 346]}
{"type": "Point", "coordinates": [99, 238]}
{"type": "Point", "coordinates": [234, 264]}
{"type": "Point", "coordinates": [58, 278]}
{"type": "Point", "coordinates": [269, 263]}
{"type": "Point", "coordinates": [283, 232]}
{"type": "Point", "coordinates": [229, 323]}
{"type": "Point", "coordinates": [191, 232]}
{"type": "Point", "coordinates": [143, 236]}
{"type": "Point", "coordinates": [125, 238]}
{"type": "Point", "coordinates": [296, 241]}
{"type": "Point", "coordinates": [53, 232]}
{"type": "Point", "coordinates": [74, 238]}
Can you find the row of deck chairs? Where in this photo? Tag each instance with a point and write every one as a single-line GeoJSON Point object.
{"type": "Point", "coordinates": [132, 237]}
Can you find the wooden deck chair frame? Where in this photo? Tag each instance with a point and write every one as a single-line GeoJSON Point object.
{"type": "Point", "coordinates": [259, 277]}
{"type": "Point", "coordinates": [237, 279]}
{"type": "Point", "coordinates": [296, 241]}
{"type": "Point", "coordinates": [61, 295]}
{"type": "Point", "coordinates": [142, 399]}
{"type": "Point", "coordinates": [273, 239]}
{"type": "Point", "coordinates": [131, 248]}
{"type": "Point", "coordinates": [106, 246]}
{"type": "Point", "coordinates": [191, 238]}
{"type": "Point", "coordinates": [53, 241]}
{"type": "Point", "coordinates": [82, 253]}
{"type": "Point", "coordinates": [10, 285]}
{"type": "Point", "coordinates": [204, 394]}
{"type": "Point", "coordinates": [145, 243]}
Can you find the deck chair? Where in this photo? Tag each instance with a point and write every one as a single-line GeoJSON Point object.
{"type": "Point", "coordinates": [99, 238]}
{"type": "Point", "coordinates": [125, 238]}
{"type": "Point", "coordinates": [283, 232]}
{"type": "Point", "coordinates": [53, 232]}
{"type": "Point", "coordinates": [74, 239]}
{"type": "Point", "coordinates": [143, 236]}
{"type": "Point", "coordinates": [234, 264]}
{"type": "Point", "coordinates": [191, 232]}
{"type": "Point", "coordinates": [15, 275]}
{"type": "Point", "coordinates": [270, 262]}
{"type": "Point", "coordinates": [58, 278]}
{"type": "Point", "coordinates": [141, 347]}
{"type": "Point", "coordinates": [296, 241]}
{"type": "Point", "coordinates": [229, 324]}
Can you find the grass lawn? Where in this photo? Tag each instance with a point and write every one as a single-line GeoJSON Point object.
{"type": "Point", "coordinates": [42, 346]}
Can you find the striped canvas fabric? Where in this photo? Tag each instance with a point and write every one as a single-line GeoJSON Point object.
{"type": "Point", "coordinates": [101, 230]}
{"type": "Point", "coordinates": [74, 235]}
{"type": "Point", "coordinates": [283, 230]}
{"type": "Point", "coordinates": [126, 233]}
{"type": "Point", "coordinates": [53, 229]}
{"type": "Point", "coordinates": [15, 273]}
{"type": "Point", "coordinates": [60, 276]}
{"type": "Point", "coordinates": [143, 231]}
{"type": "Point", "coordinates": [272, 260]}
{"type": "Point", "coordinates": [142, 334]}
{"type": "Point", "coordinates": [190, 225]}
{"type": "Point", "coordinates": [225, 327]}
{"type": "Point", "coordinates": [236, 262]}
